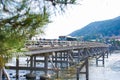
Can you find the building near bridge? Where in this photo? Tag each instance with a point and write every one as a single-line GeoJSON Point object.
{"type": "Point", "coordinates": [67, 38]}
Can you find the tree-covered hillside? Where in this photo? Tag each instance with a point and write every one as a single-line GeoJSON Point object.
{"type": "Point", "coordinates": [99, 29]}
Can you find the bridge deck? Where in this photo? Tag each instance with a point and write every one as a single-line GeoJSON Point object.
{"type": "Point", "coordinates": [61, 55]}
{"type": "Point", "coordinates": [35, 50]}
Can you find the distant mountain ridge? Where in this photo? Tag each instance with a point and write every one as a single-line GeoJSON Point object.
{"type": "Point", "coordinates": [99, 29]}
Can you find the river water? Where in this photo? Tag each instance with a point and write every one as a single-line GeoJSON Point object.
{"type": "Point", "coordinates": [110, 71]}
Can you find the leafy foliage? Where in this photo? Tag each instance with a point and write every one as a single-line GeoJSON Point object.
{"type": "Point", "coordinates": [15, 30]}
{"type": "Point", "coordinates": [20, 20]}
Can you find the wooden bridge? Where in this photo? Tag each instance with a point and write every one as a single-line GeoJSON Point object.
{"type": "Point", "coordinates": [64, 56]}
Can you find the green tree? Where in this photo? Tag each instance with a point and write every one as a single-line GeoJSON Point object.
{"type": "Point", "coordinates": [20, 20]}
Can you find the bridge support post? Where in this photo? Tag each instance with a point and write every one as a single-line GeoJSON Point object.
{"type": "Point", "coordinates": [107, 53]}
{"type": "Point", "coordinates": [79, 68]}
{"type": "Point", "coordinates": [17, 67]}
{"type": "Point", "coordinates": [46, 61]}
{"type": "Point", "coordinates": [102, 56]}
{"type": "Point", "coordinates": [31, 63]}
{"type": "Point", "coordinates": [87, 69]}
{"type": "Point", "coordinates": [34, 61]}
{"type": "Point", "coordinates": [103, 59]}
{"type": "Point", "coordinates": [56, 62]}
{"type": "Point", "coordinates": [55, 59]}
{"type": "Point", "coordinates": [46, 64]}
{"type": "Point", "coordinates": [78, 59]}
{"type": "Point", "coordinates": [30, 75]}
{"type": "Point", "coordinates": [67, 56]}
{"type": "Point", "coordinates": [61, 59]}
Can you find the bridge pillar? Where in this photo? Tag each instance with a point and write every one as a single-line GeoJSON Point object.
{"type": "Point", "coordinates": [79, 68]}
{"type": "Point", "coordinates": [46, 64]}
{"type": "Point", "coordinates": [107, 54]}
{"type": "Point", "coordinates": [55, 59]}
{"type": "Point", "coordinates": [31, 63]}
{"type": "Point", "coordinates": [78, 59]}
{"type": "Point", "coordinates": [56, 65]}
{"type": "Point", "coordinates": [30, 75]}
{"type": "Point", "coordinates": [100, 57]}
{"type": "Point", "coordinates": [87, 69]}
{"type": "Point", "coordinates": [46, 61]}
{"type": "Point", "coordinates": [34, 64]}
{"type": "Point", "coordinates": [17, 67]}
{"type": "Point", "coordinates": [61, 63]}
{"type": "Point", "coordinates": [70, 57]}
{"type": "Point", "coordinates": [67, 56]}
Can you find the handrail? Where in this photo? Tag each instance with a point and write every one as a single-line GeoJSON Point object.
{"type": "Point", "coordinates": [56, 43]}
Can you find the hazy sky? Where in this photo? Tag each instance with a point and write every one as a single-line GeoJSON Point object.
{"type": "Point", "coordinates": [78, 16]}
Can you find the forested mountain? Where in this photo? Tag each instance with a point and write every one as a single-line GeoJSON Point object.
{"type": "Point", "coordinates": [99, 29]}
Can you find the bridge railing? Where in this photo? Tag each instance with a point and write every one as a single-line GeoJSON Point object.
{"type": "Point", "coordinates": [56, 43]}
{"type": "Point", "coordinates": [40, 43]}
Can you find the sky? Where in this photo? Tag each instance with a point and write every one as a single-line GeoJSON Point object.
{"type": "Point", "coordinates": [78, 16]}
